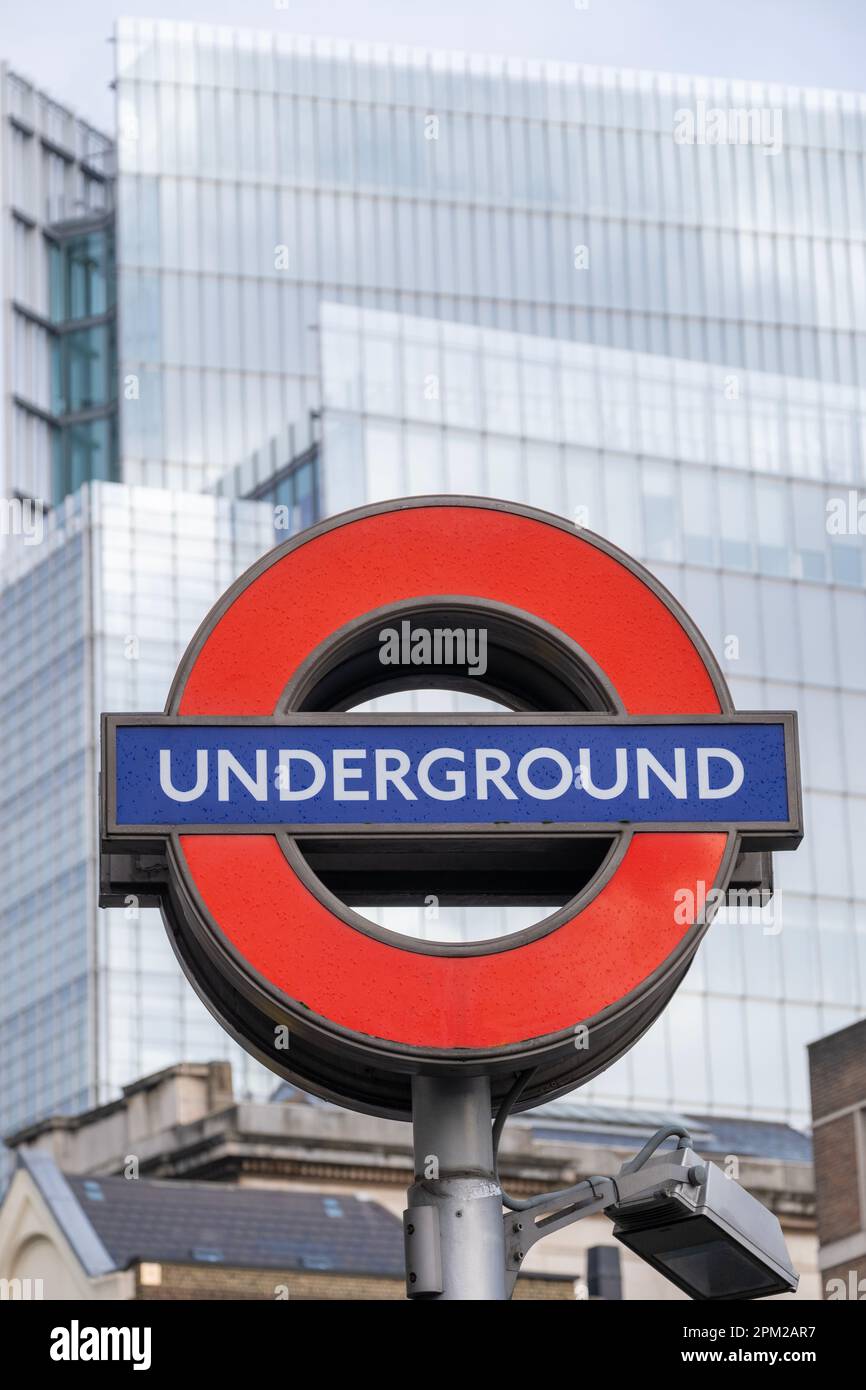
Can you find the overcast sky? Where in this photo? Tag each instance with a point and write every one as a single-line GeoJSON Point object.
{"type": "Point", "coordinates": [64, 47]}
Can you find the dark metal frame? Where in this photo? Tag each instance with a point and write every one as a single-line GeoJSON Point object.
{"type": "Point", "coordinates": [755, 835]}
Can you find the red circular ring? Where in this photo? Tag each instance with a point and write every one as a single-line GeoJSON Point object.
{"type": "Point", "coordinates": [245, 657]}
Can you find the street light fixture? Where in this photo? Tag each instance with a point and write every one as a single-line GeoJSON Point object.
{"type": "Point", "coordinates": [705, 1233]}
{"type": "Point", "coordinates": [685, 1217]}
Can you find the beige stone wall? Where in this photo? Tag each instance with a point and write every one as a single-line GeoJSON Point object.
{"type": "Point", "coordinates": [177, 1281]}
{"type": "Point", "coordinates": [32, 1247]}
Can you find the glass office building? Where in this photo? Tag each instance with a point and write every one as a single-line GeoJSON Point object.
{"type": "Point", "coordinates": [95, 617]}
{"type": "Point", "coordinates": [726, 500]}
{"type": "Point", "coordinates": [260, 174]}
{"type": "Point", "coordinates": [516, 281]}
{"type": "Point", "coordinates": [58, 356]}
{"type": "Point", "coordinates": [347, 272]}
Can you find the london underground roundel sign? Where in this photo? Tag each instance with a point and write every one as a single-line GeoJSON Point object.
{"type": "Point", "coordinates": [621, 790]}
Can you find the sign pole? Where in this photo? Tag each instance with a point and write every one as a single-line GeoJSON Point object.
{"type": "Point", "coordinates": [454, 1233]}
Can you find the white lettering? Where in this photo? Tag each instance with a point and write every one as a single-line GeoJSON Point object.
{"type": "Point", "coordinates": [705, 791]}
{"type": "Point", "coordinates": [284, 774]}
{"type": "Point", "coordinates": [77, 1343]}
{"type": "Point", "coordinates": [392, 776]}
{"type": "Point", "coordinates": [566, 772]}
{"type": "Point", "coordinates": [227, 763]}
{"type": "Point", "coordinates": [168, 786]}
{"type": "Point", "coordinates": [344, 774]}
{"type": "Point", "coordinates": [647, 763]}
{"type": "Point", "coordinates": [604, 793]}
{"type": "Point", "coordinates": [485, 773]}
{"type": "Point", "coordinates": [456, 778]}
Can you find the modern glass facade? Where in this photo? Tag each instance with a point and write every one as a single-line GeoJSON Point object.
{"type": "Point", "coordinates": [260, 174]}
{"type": "Point", "coordinates": [725, 498]}
{"type": "Point", "coordinates": [94, 618]}
{"type": "Point", "coordinates": [83, 353]}
{"type": "Point", "coordinates": [556, 302]}
{"type": "Point", "coordinates": [285, 473]}
{"type": "Point", "coordinates": [57, 287]}
{"type": "Point", "coordinates": [348, 271]}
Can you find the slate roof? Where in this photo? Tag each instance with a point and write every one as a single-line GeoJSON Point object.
{"type": "Point", "coordinates": [574, 1121]}
{"type": "Point", "coordinates": [758, 1138]}
{"type": "Point", "coordinates": [208, 1223]}
{"type": "Point", "coordinates": [569, 1121]}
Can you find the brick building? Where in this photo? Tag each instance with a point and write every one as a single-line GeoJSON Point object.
{"type": "Point", "coordinates": [837, 1066]}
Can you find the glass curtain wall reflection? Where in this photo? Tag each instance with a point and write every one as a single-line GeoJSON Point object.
{"type": "Point", "coordinates": [96, 617]}
{"type": "Point", "coordinates": [83, 355]}
{"type": "Point", "coordinates": [58, 376]}
{"type": "Point", "coordinates": [262, 173]}
{"type": "Point", "coordinates": [726, 500]}
{"type": "Point", "coordinates": [347, 271]}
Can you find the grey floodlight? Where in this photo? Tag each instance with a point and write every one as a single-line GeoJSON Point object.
{"type": "Point", "coordinates": [697, 1227]}
{"type": "Point", "coordinates": [704, 1232]}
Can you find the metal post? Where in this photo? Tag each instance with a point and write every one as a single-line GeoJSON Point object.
{"type": "Point", "coordinates": [455, 1240]}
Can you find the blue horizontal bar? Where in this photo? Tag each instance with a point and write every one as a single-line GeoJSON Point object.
{"type": "Point", "coordinates": [428, 774]}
